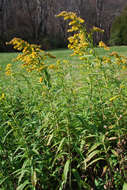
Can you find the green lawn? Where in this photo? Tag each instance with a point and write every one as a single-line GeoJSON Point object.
{"type": "Point", "coordinates": [6, 58]}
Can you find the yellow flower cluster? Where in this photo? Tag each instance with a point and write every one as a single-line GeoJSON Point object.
{"type": "Point", "coordinates": [41, 79]}
{"type": "Point", "coordinates": [52, 66]}
{"type": "Point", "coordinates": [2, 97]}
{"type": "Point", "coordinates": [102, 44]}
{"type": "Point", "coordinates": [119, 59]}
{"type": "Point", "coordinates": [78, 42]}
{"type": "Point", "coordinates": [81, 41]}
{"type": "Point", "coordinates": [8, 70]}
{"type": "Point", "coordinates": [106, 59]}
{"type": "Point", "coordinates": [32, 57]}
{"type": "Point", "coordinates": [96, 29]}
{"type": "Point", "coordinates": [115, 54]}
{"type": "Point", "coordinates": [75, 21]}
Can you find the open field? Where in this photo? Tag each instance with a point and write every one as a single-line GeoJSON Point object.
{"type": "Point", "coordinates": [71, 135]}
{"type": "Point", "coordinates": [6, 58]}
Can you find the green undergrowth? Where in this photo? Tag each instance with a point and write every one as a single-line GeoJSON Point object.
{"type": "Point", "coordinates": [71, 136]}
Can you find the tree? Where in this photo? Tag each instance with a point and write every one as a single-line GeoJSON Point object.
{"type": "Point", "coordinates": [119, 29]}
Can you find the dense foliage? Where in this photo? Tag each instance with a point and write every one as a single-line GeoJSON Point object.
{"type": "Point", "coordinates": [63, 123]}
{"type": "Point", "coordinates": [119, 30]}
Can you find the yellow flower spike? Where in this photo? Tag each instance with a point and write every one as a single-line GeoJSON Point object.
{"type": "Point", "coordinates": [72, 22]}
{"type": "Point", "coordinates": [41, 79]}
{"type": "Point", "coordinates": [71, 39]}
{"type": "Point", "coordinates": [3, 96]}
{"type": "Point", "coordinates": [80, 20]}
{"type": "Point", "coordinates": [73, 54]}
{"type": "Point", "coordinates": [124, 67]}
{"type": "Point", "coordinates": [70, 46]}
{"type": "Point", "coordinates": [106, 59]}
{"type": "Point", "coordinates": [81, 36]}
{"type": "Point", "coordinates": [58, 62]}
{"type": "Point", "coordinates": [8, 70]}
{"type": "Point", "coordinates": [65, 61]}
{"type": "Point", "coordinates": [32, 57]}
{"type": "Point", "coordinates": [8, 65]}
{"type": "Point", "coordinates": [66, 17]}
{"type": "Point", "coordinates": [124, 61]}
{"type": "Point", "coordinates": [114, 53]}
{"type": "Point", "coordinates": [80, 54]}
{"type": "Point", "coordinates": [63, 13]}
{"type": "Point", "coordinates": [76, 41]}
{"type": "Point", "coordinates": [85, 44]}
{"type": "Point", "coordinates": [82, 58]}
{"type": "Point", "coordinates": [73, 16]}
{"type": "Point", "coordinates": [44, 87]}
{"type": "Point", "coordinates": [106, 48]}
{"type": "Point", "coordinates": [52, 66]}
{"type": "Point", "coordinates": [40, 68]}
{"type": "Point", "coordinates": [118, 61]}
{"type": "Point", "coordinates": [102, 44]}
{"type": "Point", "coordinates": [96, 29]}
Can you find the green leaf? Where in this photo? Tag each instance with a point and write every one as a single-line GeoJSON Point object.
{"type": "Point", "coordinates": [34, 178]}
{"type": "Point", "coordinates": [35, 151]}
{"type": "Point", "coordinates": [7, 135]}
{"type": "Point", "coordinates": [3, 180]}
{"type": "Point", "coordinates": [94, 147]}
{"type": "Point", "coordinates": [23, 170]}
{"type": "Point", "coordinates": [94, 162]}
{"type": "Point", "coordinates": [115, 153]}
{"type": "Point", "coordinates": [79, 152]}
{"type": "Point", "coordinates": [21, 187]}
{"type": "Point", "coordinates": [91, 155]}
{"type": "Point", "coordinates": [66, 170]}
{"type": "Point", "coordinates": [124, 186]}
{"type": "Point", "coordinates": [49, 140]}
{"type": "Point", "coordinates": [22, 175]}
{"type": "Point", "coordinates": [60, 145]}
{"type": "Point", "coordinates": [77, 177]}
{"type": "Point", "coordinates": [65, 173]}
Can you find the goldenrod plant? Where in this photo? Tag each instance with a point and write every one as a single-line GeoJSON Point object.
{"type": "Point", "coordinates": [33, 58]}
{"type": "Point", "coordinates": [63, 121]}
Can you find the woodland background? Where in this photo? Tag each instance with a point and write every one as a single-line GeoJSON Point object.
{"type": "Point", "coordinates": [35, 21]}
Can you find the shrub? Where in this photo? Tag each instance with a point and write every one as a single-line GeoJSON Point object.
{"type": "Point", "coordinates": [119, 30]}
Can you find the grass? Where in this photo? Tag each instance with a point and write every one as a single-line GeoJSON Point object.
{"type": "Point", "coordinates": [71, 136]}
{"type": "Point", "coordinates": [6, 58]}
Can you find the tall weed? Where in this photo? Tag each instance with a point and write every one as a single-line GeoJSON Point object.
{"type": "Point", "coordinates": [63, 125]}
